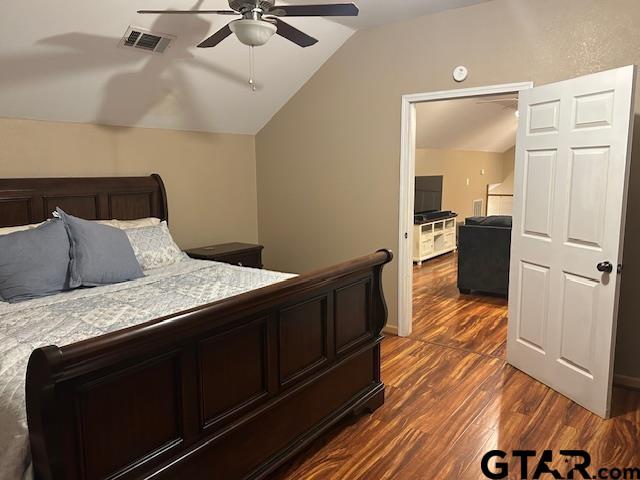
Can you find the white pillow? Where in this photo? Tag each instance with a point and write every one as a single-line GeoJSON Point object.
{"type": "Point", "coordinates": [122, 224]}
{"type": "Point", "coordinates": [154, 247]}
{"type": "Point", "coordinates": [125, 224]}
{"type": "Point", "coordinates": [19, 228]}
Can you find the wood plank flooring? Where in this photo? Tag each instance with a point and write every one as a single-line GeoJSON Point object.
{"type": "Point", "coordinates": [451, 397]}
{"type": "Point", "coordinates": [477, 323]}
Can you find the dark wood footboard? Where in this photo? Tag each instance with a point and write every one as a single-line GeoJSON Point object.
{"type": "Point", "coordinates": [229, 390]}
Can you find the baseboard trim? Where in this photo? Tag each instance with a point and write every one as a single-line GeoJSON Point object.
{"type": "Point", "coordinates": [627, 381]}
{"type": "Point", "coordinates": [391, 330]}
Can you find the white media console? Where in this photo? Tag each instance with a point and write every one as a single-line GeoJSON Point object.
{"type": "Point", "coordinates": [434, 238]}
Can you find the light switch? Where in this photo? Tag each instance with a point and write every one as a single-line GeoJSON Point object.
{"type": "Point", "coordinates": [482, 171]}
{"type": "Point", "coordinates": [468, 182]}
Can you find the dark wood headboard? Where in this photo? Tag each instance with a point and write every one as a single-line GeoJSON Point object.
{"type": "Point", "coordinates": [31, 200]}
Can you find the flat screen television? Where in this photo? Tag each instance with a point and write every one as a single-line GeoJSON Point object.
{"type": "Point", "coordinates": [428, 196]}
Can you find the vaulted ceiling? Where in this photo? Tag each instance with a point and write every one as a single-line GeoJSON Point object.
{"type": "Point", "coordinates": [60, 61]}
{"type": "Point", "coordinates": [481, 124]}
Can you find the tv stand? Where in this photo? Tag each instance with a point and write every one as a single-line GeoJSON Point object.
{"type": "Point", "coordinates": [427, 217]}
{"type": "Point", "coordinates": [434, 238]}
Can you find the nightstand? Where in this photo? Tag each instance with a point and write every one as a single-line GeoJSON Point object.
{"type": "Point", "coordinates": [243, 254]}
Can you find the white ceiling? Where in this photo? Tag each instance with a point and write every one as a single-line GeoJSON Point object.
{"type": "Point", "coordinates": [60, 61]}
{"type": "Point", "coordinates": [468, 124]}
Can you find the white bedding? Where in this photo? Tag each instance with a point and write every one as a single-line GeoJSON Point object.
{"type": "Point", "coordinates": [80, 314]}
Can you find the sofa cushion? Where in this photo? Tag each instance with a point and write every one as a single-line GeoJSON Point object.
{"type": "Point", "coordinates": [492, 221]}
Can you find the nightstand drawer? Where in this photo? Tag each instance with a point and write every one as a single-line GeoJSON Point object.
{"type": "Point", "coordinates": [249, 259]}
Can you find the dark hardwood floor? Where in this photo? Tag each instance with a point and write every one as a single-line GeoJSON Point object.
{"type": "Point", "coordinates": [451, 397]}
{"type": "Point", "coordinates": [477, 323]}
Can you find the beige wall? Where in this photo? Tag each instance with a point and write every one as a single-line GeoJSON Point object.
{"type": "Point", "coordinates": [210, 178]}
{"type": "Point", "coordinates": [627, 358]}
{"type": "Point", "coordinates": [328, 162]}
{"type": "Point", "coordinates": [456, 166]}
{"type": "Point", "coordinates": [508, 164]}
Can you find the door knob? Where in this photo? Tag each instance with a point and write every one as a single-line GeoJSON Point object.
{"type": "Point", "coordinates": [605, 267]}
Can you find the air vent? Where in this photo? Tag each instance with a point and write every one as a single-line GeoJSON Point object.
{"type": "Point", "coordinates": [478, 207]}
{"type": "Point", "coordinates": [142, 39]}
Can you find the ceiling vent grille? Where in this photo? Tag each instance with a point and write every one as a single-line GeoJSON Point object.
{"type": "Point", "coordinates": [146, 40]}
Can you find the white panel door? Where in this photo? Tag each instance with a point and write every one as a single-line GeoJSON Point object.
{"type": "Point", "coordinates": [572, 163]}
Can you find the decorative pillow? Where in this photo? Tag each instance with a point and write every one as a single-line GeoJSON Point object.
{"type": "Point", "coordinates": [124, 224]}
{"type": "Point", "coordinates": [19, 228]}
{"type": "Point", "coordinates": [154, 247]}
{"type": "Point", "coordinates": [34, 263]}
{"type": "Point", "coordinates": [100, 255]}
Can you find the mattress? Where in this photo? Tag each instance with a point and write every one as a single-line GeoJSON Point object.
{"type": "Point", "coordinates": [85, 313]}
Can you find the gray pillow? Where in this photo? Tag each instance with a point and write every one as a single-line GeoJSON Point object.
{"type": "Point", "coordinates": [100, 255]}
{"type": "Point", "coordinates": [34, 263]}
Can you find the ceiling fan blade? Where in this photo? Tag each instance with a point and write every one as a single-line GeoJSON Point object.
{"type": "Point", "coordinates": [216, 38]}
{"type": "Point", "coordinates": [180, 12]}
{"type": "Point", "coordinates": [292, 33]}
{"type": "Point", "coordinates": [331, 10]}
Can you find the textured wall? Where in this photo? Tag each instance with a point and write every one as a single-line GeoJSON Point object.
{"type": "Point", "coordinates": [328, 162]}
{"type": "Point", "coordinates": [210, 178]}
{"type": "Point", "coordinates": [456, 166]}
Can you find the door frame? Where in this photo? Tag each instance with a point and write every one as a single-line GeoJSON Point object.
{"type": "Point", "coordinates": [407, 174]}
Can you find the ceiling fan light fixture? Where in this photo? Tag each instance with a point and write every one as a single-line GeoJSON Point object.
{"type": "Point", "coordinates": [253, 33]}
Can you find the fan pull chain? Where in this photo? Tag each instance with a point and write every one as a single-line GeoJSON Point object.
{"type": "Point", "coordinates": [252, 68]}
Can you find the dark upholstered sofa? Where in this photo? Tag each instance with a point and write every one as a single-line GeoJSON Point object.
{"type": "Point", "coordinates": [484, 248]}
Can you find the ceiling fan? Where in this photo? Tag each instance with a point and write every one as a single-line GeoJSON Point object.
{"type": "Point", "coordinates": [261, 20]}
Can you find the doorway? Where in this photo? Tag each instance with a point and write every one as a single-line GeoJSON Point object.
{"type": "Point", "coordinates": [464, 171]}
{"type": "Point", "coordinates": [407, 185]}
{"type": "Point", "coordinates": [573, 153]}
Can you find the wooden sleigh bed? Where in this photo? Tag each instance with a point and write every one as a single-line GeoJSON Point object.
{"type": "Point", "coordinates": [228, 390]}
